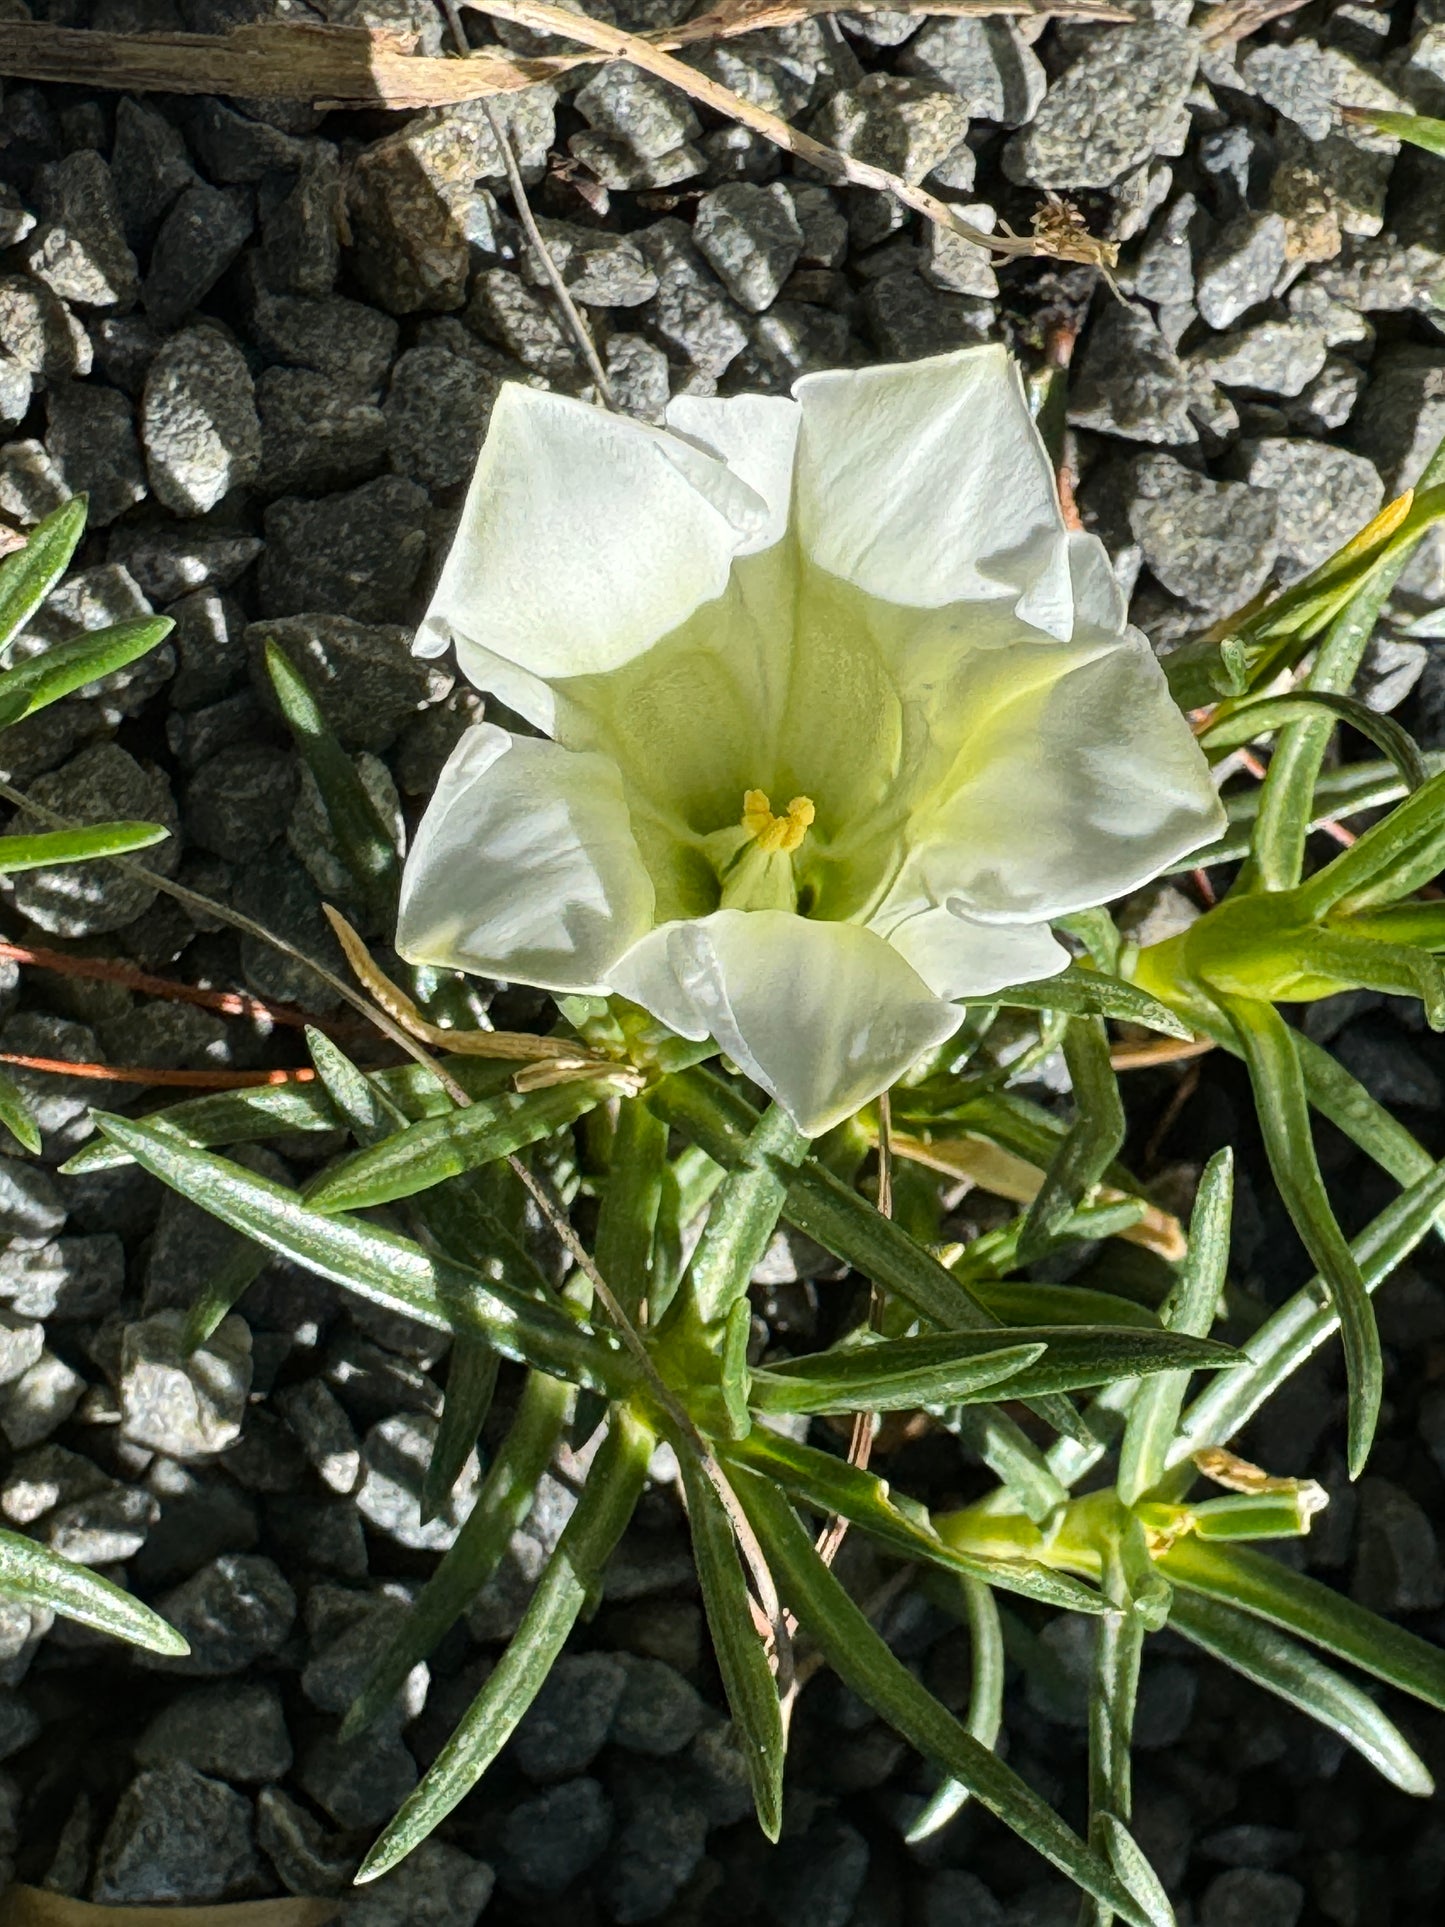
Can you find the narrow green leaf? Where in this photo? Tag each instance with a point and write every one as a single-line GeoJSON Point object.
{"type": "Point", "coordinates": [1393, 858]}
{"type": "Point", "coordinates": [1129, 1862]}
{"type": "Point", "coordinates": [1294, 1674]}
{"type": "Point", "coordinates": [363, 841]}
{"type": "Point", "coordinates": [856, 1652]}
{"type": "Point", "coordinates": [1257, 1584]}
{"type": "Point", "coordinates": [360, 1100]}
{"type": "Point", "coordinates": [1339, 793]}
{"type": "Point", "coordinates": [1093, 993]}
{"type": "Point", "coordinates": [1154, 1413]}
{"type": "Point", "coordinates": [15, 1116]}
{"type": "Point", "coordinates": [37, 1576]}
{"type": "Point", "coordinates": [910, 1372]}
{"type": "Point", "coordinates": [631, 1200]}
{"type": "Point", "coordinates": [71, 665]}
{"type": "Point", "coordinates": [893, 1374]}
{"type": "Point", "coordinates": [1023, 1301]}
{"type": "Point", "coordinates": [48, 847]}
{"type": "Point", "coordinates": [1303, 1323]}
{"type": "Point", "coordinates": [221, 1117]}
{"type": "Point", "coordinates": [744, 1216]}
{"type": "Point", "coordinates": [379, 1264]}
{"type": "Point", "coordinates": [1418, 129]}
{"type": "Point", "coordinates": [28, 576]}
{"type": "Point", "coordinates": [1114, 1691]}
{"type": "Point", "coordinates": [442, 1147]}
{"type": "Point", "coordinates": [747, 1678]}
{"type": "Point", "coordinates": [1279, 1087]}
{"type": "Point", "coordinates": [830, 1485]}
{"type": "Point", "coordinates": [471, 1381]}
{"type": "Point", "coordinates": [984, 1718]}
{"type": "Point", "coordinates": [1091, 1143]}
{"type": "Point", "coordinates": [826, 1210]}
{"type": "Point", "coordinates": [501, 1506]}
{"type": "Point", "coordinates": [613, 1487]}
{"type": "Point", "coordinates": [1265, 714]}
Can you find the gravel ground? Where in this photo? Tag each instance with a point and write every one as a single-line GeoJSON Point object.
{"type": "Point", "coordinates": [266, 343]}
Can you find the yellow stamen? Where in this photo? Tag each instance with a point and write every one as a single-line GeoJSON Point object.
{"type": "Point", "coordinates": [777, 833]}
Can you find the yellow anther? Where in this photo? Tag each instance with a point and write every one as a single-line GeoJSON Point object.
{"type": "Point", "coordinates": [777, 833]}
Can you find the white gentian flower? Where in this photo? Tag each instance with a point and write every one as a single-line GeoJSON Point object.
{"type": "Point", "coordinates": [837, 713]}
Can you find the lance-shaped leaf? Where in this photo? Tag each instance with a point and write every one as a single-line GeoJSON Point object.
{"type": "Point", "coordinates": [1274, 1070]}
{"type": "Point", "coordinates": [15, 1116]}
{"type": "Point", "coordinates": [500, 1507]}
{"type": "Point", "coordinates": [631, 1201]}
{"type": "Point", "coordinates": [1302, 1324]}
{"type": "Point", "coordinates": [860, 1657]}
{"type": "Point", "coordinates": [1091, 1144]}
{"type": "Point", "coordinates": [1254, 1583]}
{"type": "Point", "coordinates": [826, 1210]}
{"type": "Point", "coordinates": [1154, 1413]}
{"type": "Point", "coordinates": [38, 1577]}
{"type": "Point", "coordinates": [437, 1148]}
{"type": "Point", "coordinates": [1399, 854]}
{"type": "Point", "coordinates": [1339, 793]}
{"type": "Point", "coordinates": [613, 1486]}
{"type": "Point", "coordinates": [1113, 1693]}
{"type": "Point", "coordinates": [1418, 129]}
{"type": "Point", "coordinates": [28, 576]}
{"type": "Point", "coordinates": [972, 1601]}
{"type": "Point", "coordinates": [830, 1485]}
{"type": "Point", "coordinates": [1093, 993]}
{"type": "Point", "coordinates": [893, 1374]}
{"type": "Point", "coordinates": [747, 1678]}
{"type": "Point", "coordinates": [1268, 713]}
{"type": "Point", "coordinates": [1291, 1671]}
{"type": "Point", "coordinates": [365, 844]}
{"type": "Point", "coordinates": [378, 1264]}
{"type": "Point", "coordinates": [744, 1215]}
{"type": "Point", "coordinates": [70, 665]}
{"type": "Point", "coordinates": [48, 847]}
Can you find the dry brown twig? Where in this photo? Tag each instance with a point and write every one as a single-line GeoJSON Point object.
{"type": "Point", "coordinates": [1061, 239]}
{"type": "Point", "coordinates": [375, 67]}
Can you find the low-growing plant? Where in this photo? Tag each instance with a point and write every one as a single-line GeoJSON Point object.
{"type": "Point", "coordinates": [1079, 1400]}
{"type": "Point", "coordinates": [29, 1573]}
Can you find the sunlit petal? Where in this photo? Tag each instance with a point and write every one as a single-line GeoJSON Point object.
{"type": "Point", "coordinates": [525, 866]}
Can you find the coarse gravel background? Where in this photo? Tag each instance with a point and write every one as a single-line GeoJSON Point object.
{"type": "Point", "coordinates": [266, 343]}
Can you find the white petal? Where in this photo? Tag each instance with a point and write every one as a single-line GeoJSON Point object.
{"type": "Point", "coordinates": [757, 436]}
{"type": "Point", "coordinates": [585, 537]}
{"type": "Point", "coordinates": [1098, 600]}
{"type": "Point", "coordinates": [823, 1015]}
{"type": "Point", "coordinates": [927, 483]}
{"type": "Point", "coordinates": [959, 957]}
{"type": "Point", "coordinates": [524, 866]}
{"type": "Point", "coordinates": [1073, 795]}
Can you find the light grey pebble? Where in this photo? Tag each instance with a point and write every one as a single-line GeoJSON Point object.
{"type": "Point", "coordinates": [987, 64]}
{"type": "Point", "coordinates": [235, 1731]}
{"type": "Point", "coordinates": [200, 237]}
{"type": "Point", "coordinates": [437, 410]}
{"type": "Point", "coordinates": [308, 1860]}
{"type": "Point", "coordinates": [38, 331]}
{"type": "Point", "coordinates": [79, 247]}
{"type": "Point", "coordinates": [90, 436]}
{"type": "Point", "coordinates": [234, 1610]}
{"type": "Point", "coordinates": [314, 437]}
{"type": "Point", "coordinates": [356, 554]}
{"type": "Point", "coordinates": [1115, 107]}
{"type": "Point", "coordinates": [102, 784]}
{"type": "Point", "coordinates": [569, 1721]}
{"type": "Point", "coordinates": [199, 424]}
{"type": "Point", "coordinates": [1242, 267]}
{"type": "Point", "coordinates": [550, 1840]}
{"type": "Point", "coordinates": [185, 1404]}
{"type": "Point", "coordinates": [436, 1886]}
{"type": "Point", "coordinates": [889, 120]}
{"type": "Point", "coordinates": [1325, 495]}
{"type": "Point", "coordinates": [149, 166]}
{"type": "Point", "coordinates": [751, 237]}
{"type": "Point", "coordinates": [179, 1836]}
{"type": "Point", "coordinates": [1211, 543]}
{"type": "Point", "coordinates": [1269, 357]}
{"type": "Point", "coordinates": [394, 1458]}
{"type": "Point", "coordinates": [1131, 383]}
{"type": "Point", "coordinates": [301, 234]}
